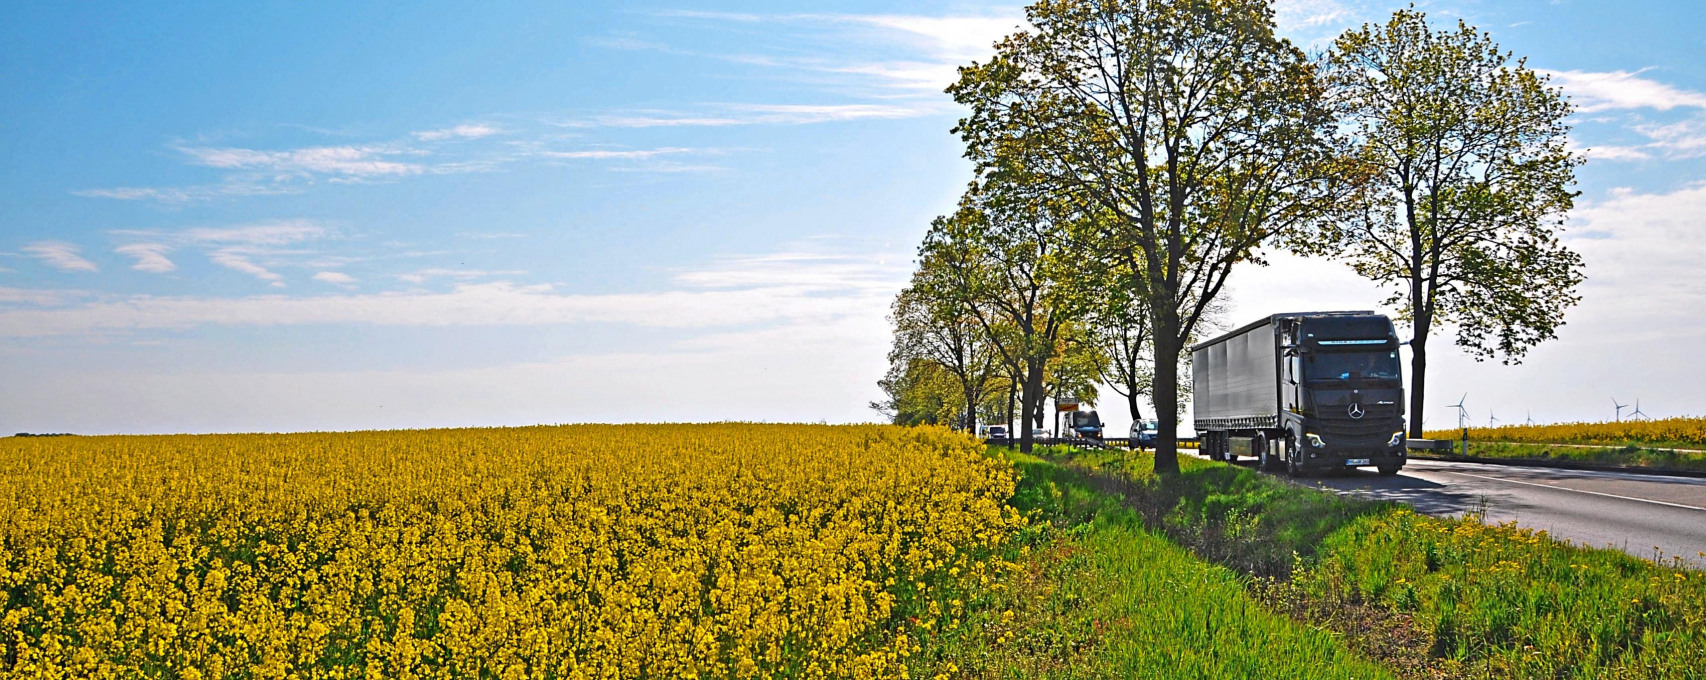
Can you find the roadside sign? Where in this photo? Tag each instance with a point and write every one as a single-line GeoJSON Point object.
{"type": "Point", "coordinates": [1064, 405]}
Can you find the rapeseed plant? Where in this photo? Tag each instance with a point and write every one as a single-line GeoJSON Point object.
{"type": "Point", "coordinates": [728, 550]}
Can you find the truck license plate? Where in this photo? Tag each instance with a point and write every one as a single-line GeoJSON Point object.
{"type": "Point", "coordinates": [1355, 462]}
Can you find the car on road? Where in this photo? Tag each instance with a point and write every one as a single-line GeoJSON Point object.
{"type": "Point", "coordinates": [995, 432]}
{"type": "Point", "coordinates": [1143, 434]}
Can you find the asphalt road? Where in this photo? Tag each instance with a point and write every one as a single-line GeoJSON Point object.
{"type": "Point", "coordinates": [1644, 515]}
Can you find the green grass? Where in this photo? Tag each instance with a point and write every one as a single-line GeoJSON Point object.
{"type": "Point", "coordinates": [1098, 595]}
{"type": "Point", "coordinates": [1628, 455]}
{"type": "Point", "coordinates": [1430, 597]}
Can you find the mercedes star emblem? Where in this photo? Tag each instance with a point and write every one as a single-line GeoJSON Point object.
{"type": "Point", "coordinates": [1356, 410]}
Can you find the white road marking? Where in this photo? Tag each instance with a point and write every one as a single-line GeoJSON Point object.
{"type": "Point", "coordinates": [1565, 488]}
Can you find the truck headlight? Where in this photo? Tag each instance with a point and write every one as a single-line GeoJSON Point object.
{"type": "Point", "coordinates": [1396, 440]}
{"type": "Point", "coordinates": [1315, 440]}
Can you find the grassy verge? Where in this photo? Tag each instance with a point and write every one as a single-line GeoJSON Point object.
{"type": "Point", "coordinates": [1627, 455]}
{"type": "Point", "coordinates": [1098, 595]}
{"type": "Point", "coordinates": [1428, 597]}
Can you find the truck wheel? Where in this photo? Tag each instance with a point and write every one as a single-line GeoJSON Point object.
{"type": "Point", "coordinates": [1389, 470]}
{"type": "Point", "coordinates": [1293, 457]}
{"type": "Point", "coordinates": [1216, 448]}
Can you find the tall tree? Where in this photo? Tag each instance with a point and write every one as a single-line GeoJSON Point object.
{"type": "Point", "coordinates": [1196, 131]}
{"type": "Point", "coordinates": [1120, 327]}
{"type": "Point", "coordinates": [918, 392]}
{"type": "Point", "coordinates": [1000, 253]}
{"type": "Point", "coordinates": [943, 331]}
{"type": "Point", "coordinates": [1469, 178]}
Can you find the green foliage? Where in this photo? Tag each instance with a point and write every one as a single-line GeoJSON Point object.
{"type": "Point", "coordinates": [942, 332]}
{"type": "Point", "coordinates": [1472, 600]}
{"type": "Point", "coordinates": [1099, 596]}
{"type": "Point", "coordinates": [1182, 134]}
{"type": "Point", "coordinates": [1465, 180]}
{"type": "Point", "coordinates": [1502, 601]}
{"type": "Point", "coordinates": [919, 393]}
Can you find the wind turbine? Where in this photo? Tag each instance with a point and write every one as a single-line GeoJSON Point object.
{"type": "Point", "coordinates": [1492, 420]}
{"type": "Point", "coordinates": [1620, 408]}
{"type": "Point", "coordinates": [1463, 420]}
{"type": "Point", "coordinates": [1530, 418]}
{"type": "Point", "coordinates": [1462, 413]}
{"type": "Point", "coordinates": [1638, 413]}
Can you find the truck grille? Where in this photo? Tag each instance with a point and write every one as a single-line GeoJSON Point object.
{"type": "Point", "coordinates": [1375, 427]}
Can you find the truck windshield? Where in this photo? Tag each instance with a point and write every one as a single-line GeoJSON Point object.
{"type": "Point", "coordinates": [1336, 366]}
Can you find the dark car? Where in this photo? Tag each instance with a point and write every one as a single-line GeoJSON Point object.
{"type": "Point", "coordinates": [1143, 434]}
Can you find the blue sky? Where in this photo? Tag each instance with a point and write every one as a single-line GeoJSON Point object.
{"type": "Point", "coordinates": [285, 217]}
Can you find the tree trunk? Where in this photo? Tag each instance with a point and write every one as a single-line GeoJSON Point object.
{"type": "Point", "coordinates": [1131, 403]}
{"type": "Point", "coordinates": [971, 410]}
{"type": "Point", "coordinates": [1418, 377]}
{"type": "Point", "coordinates": [1166, 393]}
{"type": "Point", "coordinates": [1012, 390]}
{"type": "Point", "coordinates": [1030, 402]}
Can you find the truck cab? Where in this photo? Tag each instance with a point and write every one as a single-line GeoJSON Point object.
{"type": "Point", "coordinates": [1084, 424]}
{"type": "Point", "coordinates": [1304, 392]}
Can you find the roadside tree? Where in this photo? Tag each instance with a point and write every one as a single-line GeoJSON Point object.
{"type": "Point", "coordinates": [1194, 133]}
{"type": "Point", "coordinates": [944, 331]}
{"type": "Point", "coordinates": [999, 258]}
{"type": "Point", "coordinates": [1468, 179]}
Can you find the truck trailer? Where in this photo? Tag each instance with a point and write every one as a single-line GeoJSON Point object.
{"type": "Point", "coordinates": [1303, 392]}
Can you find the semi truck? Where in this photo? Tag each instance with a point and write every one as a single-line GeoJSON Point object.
{"type": "Point", "coordinates": [1303, 392]}
{"type": "Point", "coordinates": [1084, 424]}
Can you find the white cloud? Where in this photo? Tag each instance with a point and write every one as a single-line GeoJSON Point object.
{"type": "Point", "coordinates": [761, 114]}
{"type": "Point", "coordinates": [1296, 14]}
{"type": "Point", "coordinates": [1610, 152]}
{"type": "Point", "coordinates": [239, 261]}
{"type": "Point", "coordinates": [335, 278]}
{"type": "Point", "coordinates": [1681, 139]}
{"type": "Point", "coordinates": [1643, 252]}
{"type": "Point", "coordinates": [788, 288]}
{"type": "Point", "coordinates": [60, 255]}
{"type": "Point", "coordinates": [601, 154]}
{"type": "Point", "coordinates": [349, 161]}
{"type": "Point", "coordinates": [482, 235]}
{"type": "Point", "coordinates": [263, 234]}
{"type": "Point", "coordinates": [150, 257]}
{"type": "Point", "coordinates": [959, 38]}
{"type": "Point", "coordinates": [421, 276]}
{"type": "Point", "coordinates": [189, 194]}
{"type": "Point", "coordinates": [1594, 91]}
{"type": "Point", "coordinates": [457, 132]}
{"type": "Point", "coordinates": [46, 298]}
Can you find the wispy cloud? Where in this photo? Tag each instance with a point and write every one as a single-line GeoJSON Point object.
{"type": "Point", "coordinates": [421, 276]}
{"type": "Point", "coordinates": [264, 234]}
{"type": "Point", "coordinates": [335, 278]}
{"type": "Point", "coordinates": [1681, 139]}
{"type": "Point", "coordinates": [758, 114]}
{"type": "Point", "coordinates": [191, 194]}
{"type": "Point", "coordinates": [237, 260]}
{"type": "Point", "coordinates": [600, 154]}
{"type": "Point", "coordinates": [787, 288]}
{"type": "Point", "coordinates": [1305, 14]}
{"type": "Point", "coordinates": [933, 46]}
{"type": "Point", "coordinates": [44, 298]}
{"type": "Point", "coordinates": [150, 257]}
{"type": "Point", "coordinates": [1594, 91]}
{"type": "Point", "coordinates": [353, 161]}
{"type": "Point", "coordinates": [456, 132]}
{"type": "Point", "coordinates": [490, 234]}
{"type": "Point", "coordinates": [60, 255]}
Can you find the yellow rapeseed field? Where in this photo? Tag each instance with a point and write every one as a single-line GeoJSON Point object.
{"type": "Point", "coordinates": [1684, 432]}
{"type": "Point", "coordinates": [729, 550]}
